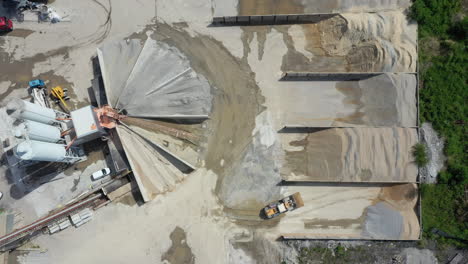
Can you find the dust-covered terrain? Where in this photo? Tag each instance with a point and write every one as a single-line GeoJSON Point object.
{"type": "Point", "coordinates": [242, 154]}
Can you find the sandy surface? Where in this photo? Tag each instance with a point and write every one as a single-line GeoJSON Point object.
{"type": "Point", "coordinates": [61, 55]}
{"type": "Point", "coordinates": [384, 100]}
{"type": "Point", "coordinates": [159, 83]}
{"type": "Point", "coordinates": [270, 7]}
{"type": "Point", "coordinates": [205, 215]}
{"type": "Point", "coordinates": [350, 155]}
{"type": "Point", "coordinates": [70, 44]}
{"type": "Point", "coordinates": [144, 157]}
{"type": "Point", "coordinates": [154, 80]}
{"type": "Point", "coordinates": [143, 233]}
{"type": "Point", "coordinates": [345, 212]}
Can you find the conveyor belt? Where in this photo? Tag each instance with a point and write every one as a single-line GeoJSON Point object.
{"type": "Point", "coordinates": [19, 233]}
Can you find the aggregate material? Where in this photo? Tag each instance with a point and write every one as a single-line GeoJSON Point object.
{"type": "Point", "coordinates": [357, 212]}
{"type": "Point", "coordinates": [153, 80]}
{"type": "Point", "coordinates": [350, 155]}
{"type": "Point", "coordinates": [384, 100]}
{"type": "Point", "coordinates": [268, 7]}
{"type": "Point", "coordinates": [206, 215]}
{"type": "Point", "coordinates": [154, 173]}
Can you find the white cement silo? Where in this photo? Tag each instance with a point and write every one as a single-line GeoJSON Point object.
{"type": "Point", "coordinates": [21, 109]}
{"type": "Point", "coordinates": [40, 151]}
{"type": "Point", "coordinates": [38, 131]}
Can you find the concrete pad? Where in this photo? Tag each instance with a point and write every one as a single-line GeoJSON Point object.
{"type": "Point", "coordinates": [350, 155]}
{"type": "Point", "coordinates": [383, 100]}
{"type": "Point", "coordinates": [352, 212]}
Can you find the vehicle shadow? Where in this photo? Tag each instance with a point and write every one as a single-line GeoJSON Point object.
{"type": "Point", "coordinates": [262, 215]}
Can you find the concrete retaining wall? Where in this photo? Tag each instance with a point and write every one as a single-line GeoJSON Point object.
{"type": "Point", "coordinates": [326, 76]}
{"type": "Point", "coordinates": [270, 19]}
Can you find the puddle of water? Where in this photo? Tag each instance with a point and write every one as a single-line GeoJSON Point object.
{"type": "Point", "coordinates": [179, 252]}
{"type": "Point", "coordinates": [20, 33]}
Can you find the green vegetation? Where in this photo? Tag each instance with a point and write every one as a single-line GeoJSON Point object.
{"type": "Point", "coordinates": [435, 17]}
{"type": "Point", "coordinates": [444, 209]}
{"type": "Point", "coordinates": [420, 154]}
{"type": "Point", "coordinates": [340, 251]}
{"type": "Point", "coordinates": [443, 60]}
{"type": "Point", "coordinates": [339, 254]}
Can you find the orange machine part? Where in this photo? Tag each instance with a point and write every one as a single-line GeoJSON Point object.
{"type": "Point", "coordinates": [108, 117]}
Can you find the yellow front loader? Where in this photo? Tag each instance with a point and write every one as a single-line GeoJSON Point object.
{"type": "Point", "coordinates": [59, 94]}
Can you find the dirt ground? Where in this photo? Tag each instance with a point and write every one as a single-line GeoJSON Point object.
{"type": "Point", "coordinates": [212, 214]}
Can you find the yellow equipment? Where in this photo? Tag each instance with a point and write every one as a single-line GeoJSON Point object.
{"type": "Point", "coordinates": [292, 202]}
{"type": "Point", "coordinates": [59, 94]}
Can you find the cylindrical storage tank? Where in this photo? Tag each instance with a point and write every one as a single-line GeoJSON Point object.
{"type": "Point", "coordinates": [21, 109]}
{"type": "Point", "coordinates": [38, 131]}
{"type": "Point", "coordinates": [40, 151]}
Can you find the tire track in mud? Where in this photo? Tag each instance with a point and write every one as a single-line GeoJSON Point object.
{"type": "Point", "coordinates": [97, 37]}
{"type": "Point", "coordinates": [236, 104]}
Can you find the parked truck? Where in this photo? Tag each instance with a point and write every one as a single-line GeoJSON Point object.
{"type": "Point", "coordinates": [284, 205]}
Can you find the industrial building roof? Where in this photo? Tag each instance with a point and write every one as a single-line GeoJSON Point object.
{"type": "Point", "coordinates": [85, 122]}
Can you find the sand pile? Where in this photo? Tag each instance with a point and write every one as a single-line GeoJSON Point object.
{"type": "Point", "coordinates": [361, 5]}
{"type": "Point", "coordinates": [393, 217]}
{"type": "Point", "coordinates": [154, 173]}
{"type": "Point", "coordinates": [268, 7]}
{"type": "Point", "coordinates": [153, 80]}
{"type": "Point", "coordinates": [382, 100]}
{"type": "Point", "coordinates": [357, 212]}
{"type": "Point", "coordinates": [370, 42]}
{"type": "Point", "coordinates": [383, 222]}
{"type": "Point", "coordinates": [350, 155]}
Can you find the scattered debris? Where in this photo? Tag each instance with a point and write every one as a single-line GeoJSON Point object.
{"type": "Point", "coordinates": [435, 152]}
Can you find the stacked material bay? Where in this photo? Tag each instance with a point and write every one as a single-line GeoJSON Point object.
{"type": "Point", "coordinates": [154, 81]}
{"type": "Point", "coordinates": [350, 155]}
{"type": "Point", "coordinates": [346, 142]}
{"type": "Point", "coordinates": [384, 100]}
